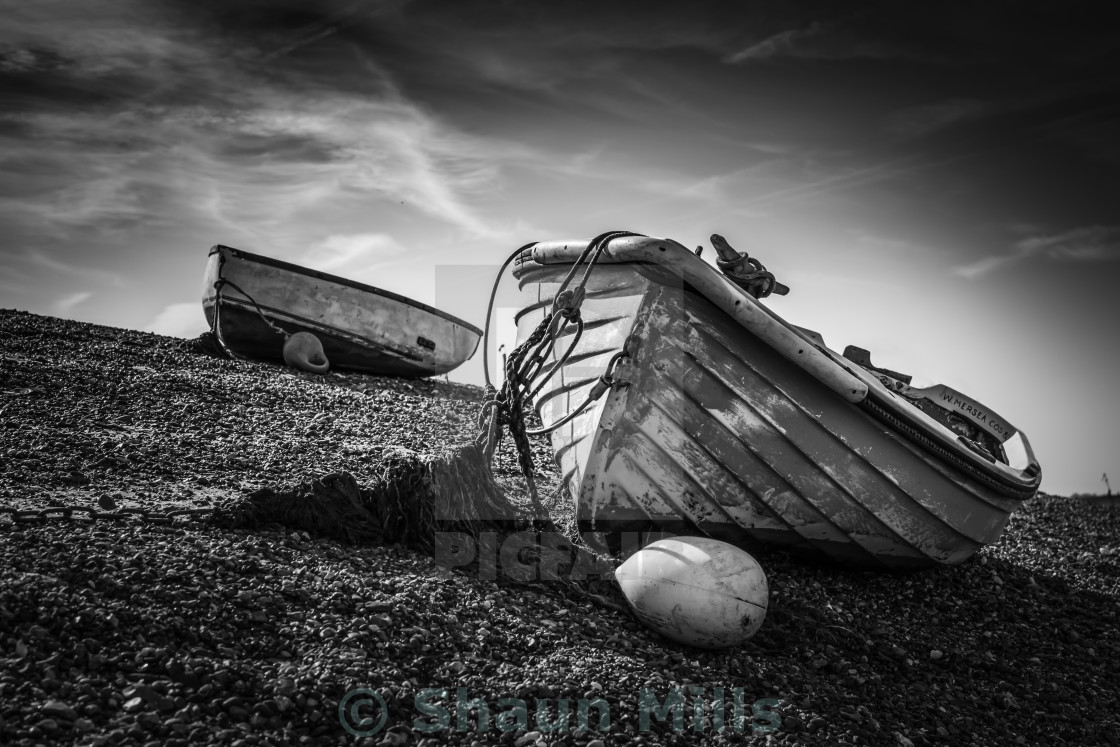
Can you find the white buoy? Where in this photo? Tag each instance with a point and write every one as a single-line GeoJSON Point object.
{"type": "Point", "coordinates": [695, 590]}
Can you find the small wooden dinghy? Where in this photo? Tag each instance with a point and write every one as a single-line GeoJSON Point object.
{"type": "Point", "coordinates": [721, 419]}
{"type": "Point", "coordinates": [251, 301]}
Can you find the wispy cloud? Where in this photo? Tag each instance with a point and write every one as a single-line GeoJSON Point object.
{"type": "Point", "coordinates": [72, 269]}
{"type": "Point", "coordinates": [785, 43]}
{"type": "Point", "coordinates": [921, 120]}
{"type": "Point", "coordinates": [332, 23]}
{"type": "Point", "coordinates": [63, 306]}
{"type": "Point", "coordinates": [294, 152]}
{"type": "Point", "coordinates": [1085, 244]}
{"type": "Point", "coordinates": [851, 37]}
{"type": "Point", "coordinates": [821, 178]}
{"type": "Point", "coordinates": [351, 252]}
{"type": "Point", "coordinates": [251, 158]}
{"type": "Point", "coordinates": [723, 188]}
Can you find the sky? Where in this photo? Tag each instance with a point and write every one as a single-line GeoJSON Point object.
{"type": "Point", "coordinates": [937, 182]}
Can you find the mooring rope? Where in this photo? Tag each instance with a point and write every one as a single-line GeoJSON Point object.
{"type": "Point", "coordinates": [506, 407]}
{"type": "Point", "coordinates": [219, 285]}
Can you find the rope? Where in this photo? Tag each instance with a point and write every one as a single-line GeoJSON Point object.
{"type": "Point", "coordinates": [597, 391]}
{"type": "Point", "coordinates": [218, 320]}
{"type": "Point", "coordinates": [595, 247]}
{"type": "Point", "coordinates": [601, 387]}
{"type": "Point", "coordinates": [759, 282]}
{"type": "Point", "coordinates": [490, 310]}
{"type": "Point", "coordinates": [507, 408]}
{"type": "Point", "coordinates": [523, 366]}
{"type": "Point", "coordinates": [221, 283]}
{"type": "Point", "coordinates": [560, 363]}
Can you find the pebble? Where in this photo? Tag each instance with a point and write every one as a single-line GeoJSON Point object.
{"type": "Point", "coordinates": [133, 705]}
{"type": "Point", "coordinates": [59, 710]}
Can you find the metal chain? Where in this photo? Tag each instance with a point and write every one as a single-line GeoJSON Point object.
{"type": "Point", "coordinates": [66, 513]}
{"type": "Point", "coordinates": [525, 363]}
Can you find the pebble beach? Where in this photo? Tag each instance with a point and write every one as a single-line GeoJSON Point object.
{"type": "Point", "coordinates": [132, 632]}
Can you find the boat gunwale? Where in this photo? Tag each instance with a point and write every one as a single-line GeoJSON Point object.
{"type": "Point", "coordinates": [325, 276]}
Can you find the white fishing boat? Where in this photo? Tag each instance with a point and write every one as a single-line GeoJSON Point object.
{"type": "Point", "coordinates": [719, 418]}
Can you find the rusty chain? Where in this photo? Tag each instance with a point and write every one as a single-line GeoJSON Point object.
{"type": "Point", "coordinates": [66, 513]}
{"type": "Point", "coordinates": [505, 407]}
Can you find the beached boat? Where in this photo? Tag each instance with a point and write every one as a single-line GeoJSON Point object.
{"type": "Point", "coordinates": [362, 328]}
{"type": "Point", "coordinates": [724, 420]}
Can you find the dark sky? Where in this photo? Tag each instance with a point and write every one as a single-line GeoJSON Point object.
{"type": "Point", "coordinates": [937, 181]}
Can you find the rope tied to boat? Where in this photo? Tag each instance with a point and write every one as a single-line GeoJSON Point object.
{"type": "Point", "coordinates": [506, 408]}
{"type": "Point", "coordinates": [219, 285]}
{"type": "Point", "coordinates": [598, 389]}
{"type": "Point", "coordinates": [745, 271]}
{"type": "Point", "coordinates": [523, 366]}
{"type": "Point", "coordinates": [222, 282]}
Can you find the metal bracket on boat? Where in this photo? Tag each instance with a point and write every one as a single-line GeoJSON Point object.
{"type": "Point", "coordinates": [618, 372]}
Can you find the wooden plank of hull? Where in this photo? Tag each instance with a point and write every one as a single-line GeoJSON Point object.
{"type": "Point", "coordinates": [362, 328]}
{"type": "Point", "coordinates": [830, 428]}
{"type": "Point", "coordinates": [718, 434]}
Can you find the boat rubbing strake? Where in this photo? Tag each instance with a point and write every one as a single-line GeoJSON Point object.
{"type": "Point", "coordinates": [722, 419]}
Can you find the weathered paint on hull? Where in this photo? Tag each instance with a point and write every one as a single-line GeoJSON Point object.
{"type": "Point", "coordinates": [720, 435]}
{"type": "Point", "coordinates": [362, 328]}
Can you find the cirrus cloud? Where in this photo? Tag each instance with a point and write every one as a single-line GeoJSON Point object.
{"type": "Point", "coordinates": [1084, 244]}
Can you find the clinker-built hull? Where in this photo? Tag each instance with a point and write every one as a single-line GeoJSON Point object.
{"type": "Point", "coordinates": [726, 421]}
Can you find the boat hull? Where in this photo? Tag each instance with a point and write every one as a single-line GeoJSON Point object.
{"type": "Point", "coordinates": [362, 328]}
{"type": "Point", "coordinates": [719, 432]}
